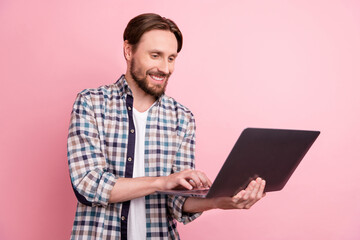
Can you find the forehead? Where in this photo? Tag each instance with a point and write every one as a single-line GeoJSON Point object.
{"type": "Point", "coordinates": [160, 40]}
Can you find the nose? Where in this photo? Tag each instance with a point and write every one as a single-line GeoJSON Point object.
{"type": "Point", "coordinates": [164, 67]}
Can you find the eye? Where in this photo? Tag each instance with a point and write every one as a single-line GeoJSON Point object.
{"type": "Point", "coordinates": [154, 55]}
{"type": "Point", "coordinates": [171, 59]}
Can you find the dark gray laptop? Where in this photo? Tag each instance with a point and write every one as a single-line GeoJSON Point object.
{"type": "Point", "coordinates": [272, 154]}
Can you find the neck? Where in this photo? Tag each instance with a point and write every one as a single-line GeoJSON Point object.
{"type": "Point", "coordinates": [142, 100]}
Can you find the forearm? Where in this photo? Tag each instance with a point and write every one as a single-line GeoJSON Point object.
{"type": "Point", "coordinates": [194, 205]}
{"type": "Point", "coordinates": [130, 188]}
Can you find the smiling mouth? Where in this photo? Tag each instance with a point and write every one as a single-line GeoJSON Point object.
{"type": "Point", "coordinates": [157, 77]}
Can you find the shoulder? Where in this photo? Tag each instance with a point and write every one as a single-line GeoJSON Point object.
{"type": "Point", "coordinates": [180, 113]}
{"type": "Point", "coordinates": [100, 94]}
{"type": "Point", "coordinates": [171, 104]}
{"type": "Point", "coordinates": [105, 90]}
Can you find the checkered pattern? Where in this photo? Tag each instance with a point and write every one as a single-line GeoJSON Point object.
{"type": "Point", "coordinates": [97, 150]}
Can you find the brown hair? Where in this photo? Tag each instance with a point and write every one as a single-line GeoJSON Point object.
{"type": "Point", "coordinates": [147, 22]}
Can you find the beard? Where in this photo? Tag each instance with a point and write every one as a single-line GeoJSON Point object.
{"type": "Point", "coordinates": [155, 90]}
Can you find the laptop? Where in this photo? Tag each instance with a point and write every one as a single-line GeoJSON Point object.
{"type": "Point", "coordinates": [272, 154]}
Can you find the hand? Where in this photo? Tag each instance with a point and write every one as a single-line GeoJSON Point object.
{"type": "Point", "coordinates": [188, 179]}
{"type": "Point", "coordinates": [245, 198]}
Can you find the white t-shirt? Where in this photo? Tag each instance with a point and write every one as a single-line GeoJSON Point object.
{"type": "Point", "coordinates": [137, 212]}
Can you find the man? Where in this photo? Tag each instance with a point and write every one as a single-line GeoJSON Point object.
{"type": "Point", "coordinates": [129, 139]}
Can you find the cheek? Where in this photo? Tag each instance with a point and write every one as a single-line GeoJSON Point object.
{"type": "Point", "coordinates": [171, 65]}
{"type": "Point", "coordinates": [148, 65]}
{"type": "Point", "coordinates": [171, 68]}
{"type": "Point", "coordinates": [141, 64]}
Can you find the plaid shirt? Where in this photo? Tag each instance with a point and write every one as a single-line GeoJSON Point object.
{"type": "Point", "coordinates": [101, 146]}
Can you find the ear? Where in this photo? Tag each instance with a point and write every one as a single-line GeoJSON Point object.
{"type": "Point", "coordinates": [127, 50]}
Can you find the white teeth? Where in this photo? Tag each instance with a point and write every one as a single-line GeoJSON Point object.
{"type": "Point", "coordinates": [157, 78]}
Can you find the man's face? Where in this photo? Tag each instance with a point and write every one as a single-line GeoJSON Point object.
{"type": "Point", "coordinates": [153, 61]}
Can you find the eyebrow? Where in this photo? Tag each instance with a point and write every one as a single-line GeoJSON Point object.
{"type": "Point", "coordinates": [161, 52]}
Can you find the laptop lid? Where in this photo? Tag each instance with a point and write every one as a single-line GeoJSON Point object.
{"type": "Point", "coordinates": [272, 154]}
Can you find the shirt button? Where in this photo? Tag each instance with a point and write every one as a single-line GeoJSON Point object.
{"type": "Point", "coordinates": [129, 108]}
{"type": "Point", "coordinates": [132, 130]}
{"type": "Point", "coordinates": [123, 218]}
{"type": "Point", "coordinates": [129, 159]}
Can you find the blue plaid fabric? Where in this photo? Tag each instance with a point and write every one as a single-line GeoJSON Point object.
{"type": "Point", "coordinates": [99, 144]}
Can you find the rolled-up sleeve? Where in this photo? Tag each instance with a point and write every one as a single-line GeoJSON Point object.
{"type": "Point", "coordinates": [185, 159]}
{"type": "Point", "coordinates": [91, 181]}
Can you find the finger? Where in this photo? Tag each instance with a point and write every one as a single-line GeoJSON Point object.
{"type": "Point", "coordinates": [261, 192]}
{"type": "Point", "coordinates": [205, 181]}
{"type": "Point", "coordinates": [185, 184]}
{"type": "Point", "coordinates": [257, 193]}
{"type": "Point", "coordinates": [254, 192]}
{"type": "Point", "coordinates": [194, 179]}
{"type": "Point", "coordinates": [209, 182]}
{"type": "Point", "coordinates": [240, 194]}
{"type": "Point", "coordinates": [249, 189]}
{"type": "Point", "coordinates": [193, 184]}
{"type": "Point", "coordinates": [248, 206]}
{"type": "Point", "coordinates": [238, 198]}
{"type": "Point", "coordinates": [250, 186]}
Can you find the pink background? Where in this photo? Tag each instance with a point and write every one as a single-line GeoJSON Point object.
{"type": "Point", "coordinates": [283, 64]}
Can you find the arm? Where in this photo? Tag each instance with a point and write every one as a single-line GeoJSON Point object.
{"type": "Point", "coordinates": [130, 188]}
{"type": "Point", "coordinates": [243, 200]}
{"type": "Point", "coordinates": [90, 179]}
{"type": "Point", "coordinates": [93, 184]}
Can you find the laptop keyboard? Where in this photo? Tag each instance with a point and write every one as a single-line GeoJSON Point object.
{"type": "Point", "coordinates": [200, 191]}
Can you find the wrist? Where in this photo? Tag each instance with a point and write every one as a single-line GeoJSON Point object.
{"type": "Point", "coordinates": [214, 203]}
{"type": "Point", "coordinates": [159, 183]}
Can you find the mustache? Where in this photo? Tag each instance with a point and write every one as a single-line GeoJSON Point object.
{"type": "Point", "coordinates": [158, 73]}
